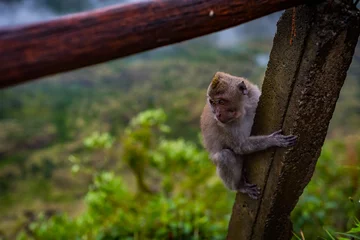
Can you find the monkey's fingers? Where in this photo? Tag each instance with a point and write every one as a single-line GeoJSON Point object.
{"type": "Point", "coordinates": [290, 137]}
{"type": "Point", "coordinates": [277, 132]}
{"type": "Point", "coordinates": [291, 142]}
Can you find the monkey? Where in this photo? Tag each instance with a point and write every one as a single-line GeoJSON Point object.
{"type": "Point", "coordinates": [226, 123]}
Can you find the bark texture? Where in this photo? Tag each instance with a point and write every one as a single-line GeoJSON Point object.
{"type": "Point", "coordinates": [312, 51]}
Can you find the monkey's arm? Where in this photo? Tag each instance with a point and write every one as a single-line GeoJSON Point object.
{"type": "Point", "coordinates": [258, 143]}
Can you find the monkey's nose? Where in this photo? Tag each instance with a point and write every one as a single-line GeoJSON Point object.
{"type": "Point", "coordinates": [220, 118]}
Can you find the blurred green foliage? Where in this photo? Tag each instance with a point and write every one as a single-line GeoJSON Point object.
{"type": "Point", "coordinates": [139, 140]}
{"type": "Point", "coordinates": [332, 198]}
{"type": "Point", "coordinates": [176, 208]}
{"type": "Point", "coordinates": [187, 200]}
{"type": "Point", "coordinates": [97, 140]}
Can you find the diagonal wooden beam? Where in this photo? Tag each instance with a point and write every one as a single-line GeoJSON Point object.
{"type": "Point", "coordinates": [312, 51]}
{"type": "Point", "coordinates": [79, 40]}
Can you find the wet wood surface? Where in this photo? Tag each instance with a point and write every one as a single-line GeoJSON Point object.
{"type": "Point", "coordinates": [32, 51]}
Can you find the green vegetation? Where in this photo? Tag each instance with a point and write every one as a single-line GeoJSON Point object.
{"type": "Point", "coordinates": [189, 202]}
{"type": "Point", "coordinates": [332, 199]}
{"type": "Point", "coordinates": [113, 152]}
{"type": "Point", "coordinates": [166, 209]}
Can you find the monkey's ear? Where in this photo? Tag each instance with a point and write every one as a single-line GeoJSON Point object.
{"type": "Point", "coordinates": [242, 87]}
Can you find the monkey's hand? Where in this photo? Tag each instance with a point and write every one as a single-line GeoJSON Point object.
{"type": "Point", "coordinates": [259, 143]}
{"type": "Point", "coordinates": [279, 140]}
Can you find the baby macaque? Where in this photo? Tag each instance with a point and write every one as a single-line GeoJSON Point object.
{"type": "Point", "coordinates": [226, 124]}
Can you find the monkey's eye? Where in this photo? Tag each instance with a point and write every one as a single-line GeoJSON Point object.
{"type": "Point", "coordinates": [221, 102]}
{"type": "Point", "coordinates": [211, 102]}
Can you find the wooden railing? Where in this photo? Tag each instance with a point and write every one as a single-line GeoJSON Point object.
{"type": "Point", "coordinates": [32, 51]}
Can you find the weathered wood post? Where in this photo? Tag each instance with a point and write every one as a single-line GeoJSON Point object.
{"type": "Point", "coordinates": [312, 51]}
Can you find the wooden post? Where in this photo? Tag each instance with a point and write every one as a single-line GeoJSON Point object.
{"type": "Point", "coordinates": [83, 39]}
{"type": "Point", "coordinates": [312, 52]}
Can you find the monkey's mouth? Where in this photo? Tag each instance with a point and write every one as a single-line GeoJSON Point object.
{"type": "Point", "coordinates": [223, 121]}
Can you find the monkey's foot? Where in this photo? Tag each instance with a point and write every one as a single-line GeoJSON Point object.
{"type": "Point", "coordinates": [251, 190]}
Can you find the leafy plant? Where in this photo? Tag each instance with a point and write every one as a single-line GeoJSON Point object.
{"type": "Point", "coordinates": [180, 208]}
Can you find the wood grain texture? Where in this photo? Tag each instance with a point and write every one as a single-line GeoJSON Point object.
{"type": "Point", "coordinates": [301, 86]}
{"type": "Point", "coordinates": [74, 41]}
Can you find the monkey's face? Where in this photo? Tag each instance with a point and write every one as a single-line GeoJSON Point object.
{"type": "Point", "coordinates": [224, 110]}
{"type": "Point", "coordinates": [225, 95]}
